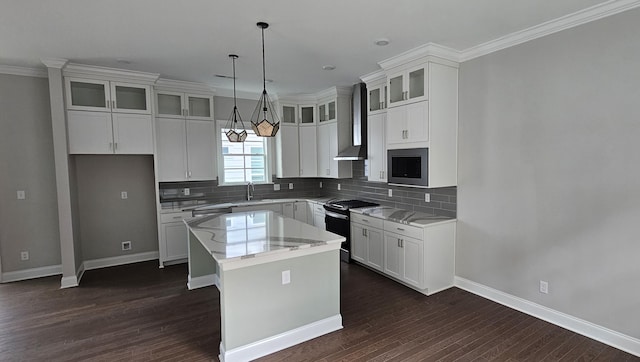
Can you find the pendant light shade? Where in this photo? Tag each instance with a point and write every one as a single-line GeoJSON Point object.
{"type": "Point", "coordinates": [235, 134]}
{"type": "Point", "coordinates": [264, 121]}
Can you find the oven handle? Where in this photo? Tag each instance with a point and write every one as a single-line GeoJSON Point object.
{"type": "Point", "coordinates": [336, 215]}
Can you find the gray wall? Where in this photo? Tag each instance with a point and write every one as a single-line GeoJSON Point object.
{"type": "Point", "coordinates": [26, 163]}
{"type": "Point", "coordinates": [105, 219]}
{"type": "Point", "coordinates": [548, 171]}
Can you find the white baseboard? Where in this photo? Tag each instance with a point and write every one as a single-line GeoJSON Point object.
{"type": "Point", "coordinates": [588, 329]}
{"type": "Point", "coordinates": [281, 341]}
{"type": "Point", "coordinates": [73, 281]}
{"type": "Point", "coordinates": [203, 281]}
{"type": "Point", "coordinates": [120, 260]}
{"type": "Point", "coordinates": [32, 273]}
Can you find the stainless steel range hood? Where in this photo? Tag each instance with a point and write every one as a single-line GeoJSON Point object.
{"type": "Point", "coordinates": [358, 149]}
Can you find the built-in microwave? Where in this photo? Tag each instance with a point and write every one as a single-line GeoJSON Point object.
{"type": "Point", "coordinates": [408, 167]}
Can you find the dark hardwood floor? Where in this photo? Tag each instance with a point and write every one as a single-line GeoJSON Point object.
{"type": "Point", "coordinates": [142, 313]}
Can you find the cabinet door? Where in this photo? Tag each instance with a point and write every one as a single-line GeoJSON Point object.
{"type": "Point", "coordinates": [412, 261]}
{"type": "Point", "coordinates": [88, 95]}
{"type": "Point", "coordinates": [396, 88]}
{"type": "Point", "coordinates": [358, 243]}
{"type": "Point", "coordinates": [289, 114]}
{"type": "Point", "coordinates": [287, 209]}
{"type": "Point", "coordinates": [171, 148]}
{"type": "Point", "coordinates": [318, 220]}
{"type": "Point", "coordinates": [130, 98]}
{"type": "Point", "coordinates": [288, 151]}
{"type": "Point", "coordinates": [200, 150]}
{"type": "Point", "coordinates": [375, 248]}
{"type": "Point", "coordinates": [175, 240]}
{"type": "Point", "coordinates": [416, 84]}
{"type": "Point", "coordinates": [333, 149]}
{"type": "Point", "coordinates": [90, 132]}
{"type": "Point", "coordinates": [300, 211]}
{"type": "Point", "coordinates": [396, 125]}
{"type": "Point", "coordinates": [308, 152]}
{"type": "Point", "coordinates": [322, 113]}
{"type": "Point", "coordinates": [307, 114]}
{"type": "Point", "coordinates": [377, 100]}
{"type": "Point", "coordinates": [199, 106]}
{"type": "Point", "coordinates": [417, 122]}
{"type": "Point", "coordinates": [324, 150]}
{"type": "Point", "coordinates": [171, 104]}
{"type": "Point", "coordinates": [132, 134]}
{"type": "Point", "coordinates": [392, 255]}
{"type": "Point", "coordinates": [377, 154]}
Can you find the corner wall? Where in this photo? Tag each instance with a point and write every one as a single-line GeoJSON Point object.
{"type": "Point", "coordinates": [548, 171]}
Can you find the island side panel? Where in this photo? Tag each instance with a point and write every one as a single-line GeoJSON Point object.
{"type": "Point", "coordinates": [256, 305]}
{"type": "Point", "coordinates": [202, 266]}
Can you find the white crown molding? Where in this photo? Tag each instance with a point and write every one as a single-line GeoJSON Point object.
{"type": "Point", "coordinates": [424, 51]}
{"type": "Point", "coordinates": [375, 76]}
{"type": "Point", "coordinates": [57, 63]}
{"type": "Point", "coordinates": [223, 92]}
{"type": "Point", "coordinates": [182, 86]}
{"type": "Point", "coordinates": [586, 328]}
{"type": "Point", "coordinates": [25, 72]}
{"type": "Point", "coordinates": [580, 17]}
{"type": "Point", "coordinates": [92, 71]}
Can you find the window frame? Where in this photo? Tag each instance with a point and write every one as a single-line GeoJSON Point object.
{"type": "Point", "coordinates": [220, 125]}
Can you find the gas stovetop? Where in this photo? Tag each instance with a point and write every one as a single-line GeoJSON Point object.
{"type": "Point", "coordinates": [348, 204]}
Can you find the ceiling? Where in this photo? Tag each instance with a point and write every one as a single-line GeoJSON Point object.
{"type": "Point", "coordinates": [190, 40]}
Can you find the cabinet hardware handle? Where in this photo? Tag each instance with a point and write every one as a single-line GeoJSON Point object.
{"type": "Point", "coordinates": [365, 232]}
{"type": "Point", "coordinates": [115, 144]}
{"type": "Point", "coordinates": [177, 217]}
{"type": "Point", "coordinates": [401, 243]}
{"type": "Point", "coordinates": [110, 145]}
{"type": "Point", "coordinates": [401, 229]}
{"type": "Point", "coordinates": [398, 242]}
{"type": "Point", "coordinates": [189, 174]}
{"type": "Point", "coordinates": [365, 220]}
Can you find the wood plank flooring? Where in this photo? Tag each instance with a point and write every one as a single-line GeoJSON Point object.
{"type": "Point", "coordinates": [141, 313]}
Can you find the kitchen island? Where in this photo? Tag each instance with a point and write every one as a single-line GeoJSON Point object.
{"type": "Point", "coordinates": [279, 279]}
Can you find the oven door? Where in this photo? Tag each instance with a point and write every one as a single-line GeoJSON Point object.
{"type": "Point", "coordinates": [339, 224]}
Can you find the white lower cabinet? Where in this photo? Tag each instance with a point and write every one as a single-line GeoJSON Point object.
{"type": "Point", "coordinates": [318, 216]}
{"type": "Point", "coordinates": [367, 245]}
{"type": "Point", "coordinates": [173, 236]}
{"type": "Point", "coordinates": [273, 207]}
{"type": "Point", "coordinates": [296, 210]}
{"type": "Point", "coordinates": [419, 257]}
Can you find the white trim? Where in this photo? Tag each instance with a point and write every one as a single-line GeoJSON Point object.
{"type": "Point", "coordinates": [119, 260]}
{"type": "Point", "coordinates": [104, 73]}
{"type": "Point", "coordinates": [253, 96]}
{"type": "Point", "coordinates": [423, 51]}
{"type": "Point", "coordinates": [203, 281]}
{"type": "Point", "coordinates": [69, 282]}
{"type": "Point", "coordinates": [25, 72]}
{"type": "Point", "coordinates": [281, 341]}
{"type": "Point", "coordinates": [586, 328]}
{"type": "Point", "coordinates": [580, 17]}
{"type": "Point", "coordinates": [31, 273]}
{"type": "Point", "coordinates": [57, 63]}
{"type": "Point", "coordinates": [182, 86]}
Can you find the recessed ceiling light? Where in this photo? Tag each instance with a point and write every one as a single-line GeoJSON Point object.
{"type": "Point", "coordinates": [328, 67]}
{"type": "Point", "coordinates": [381, 42]}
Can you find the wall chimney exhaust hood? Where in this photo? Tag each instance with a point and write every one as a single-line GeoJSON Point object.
{"type": "Point", "coordinates": [358, 149]}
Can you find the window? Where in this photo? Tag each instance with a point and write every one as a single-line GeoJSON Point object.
{"type": "Point", "coordinates": [243, 162]}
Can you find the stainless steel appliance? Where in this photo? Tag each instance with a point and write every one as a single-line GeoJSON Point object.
{"type": "Point", "coordinates": [337, 221]}
{"type": "Point", "coordinates": [408, 167]}
{"type": "Point", "coordinates": [358, 148]}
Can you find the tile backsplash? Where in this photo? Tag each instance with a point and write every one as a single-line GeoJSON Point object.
{"type": "Point", "coordinates": [443, 200]}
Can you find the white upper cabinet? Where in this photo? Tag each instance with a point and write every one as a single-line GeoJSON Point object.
{"type": "Point", "coordinates": [185, 105]}
{"type": "Point", "coordinates": [107, 96]}
{"type": "Point", "coordinates": [307, 114]}
{"type": "Point", "coordinates": [376, 147]}
{"type": "Point", "coordinates": [377, 97]}
{"type": "Point", "coordinates": [408, 126]}
{"type": "Point", "coordinates": [288, 151]}
{"type": "Point", "coordinates": [308, 152]}
{"type": "Point", "coordinates": [407, 85]}
{"type": "Point", "coordinates": [327, 110]}
{"type": "Point", "coordinates": [289, 114]}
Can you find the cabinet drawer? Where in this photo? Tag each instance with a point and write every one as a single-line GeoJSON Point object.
{"type": "Point", "coordinates": [367, 220]}
{"type": "Point", "coordinates": [402, 229]}
{"type": "Point", "coordinates": [174, 216]}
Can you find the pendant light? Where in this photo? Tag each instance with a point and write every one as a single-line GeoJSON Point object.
{"type": "Point", "coordinates": [264, 121]}
{"type": "Point", "coordinates": [233, 133]}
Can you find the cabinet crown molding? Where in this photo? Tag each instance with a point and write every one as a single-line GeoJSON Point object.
{"type": "Point", "coordinates": [375, 76]}
{"type": "Point", "coordinates": [183, 86]}
{"type": "Point", "coordinates": [26, 72]}
{"type": "Point", "coordinates": [58, 63]}
{"type": "Point", "coordinates": [104, 73]}
{"type": "Point", "coordinates": [427, 52]}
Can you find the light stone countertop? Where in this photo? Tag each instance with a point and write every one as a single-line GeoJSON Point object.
{"type": "Point", "coordinates": [225, 205]}
{"type": "Point", "coordinates": [408, 217]}
{"type": "Point", "coordinates": [243, 235]}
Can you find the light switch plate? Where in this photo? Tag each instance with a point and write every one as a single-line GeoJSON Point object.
{"type": "Point", "coordinates": [21, 195]}
{"type": "Point", "coordinates": [286, 277]}
{"type": "Point", "coordinates": [339, 187]}
{"type": "Point", "coordinates": [276, 187]}
{"type": "Point", "coordinates": [291, 186]}
{"type": "Point", "coordinates": [427, 197]}
{"type": "Point", "coordinates": [124, 195]}
{"type": "Point", "coordinates": [186, 191]}
{"type": "Point", "coordinates": [390, 192]}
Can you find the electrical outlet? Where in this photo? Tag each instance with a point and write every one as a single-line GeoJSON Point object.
{"type": "Point", "coordinates": [544, 287]}
{"type": "Point", "coordinates": [24, 255]}
{"type": "Point", "coordinates": [21, 195]}
{"type": "Point", "coordinates": [126, 245]}
{"type": "Point", "coordinates": [320, 184]}
{"type": "Point", "coordinates": [291, 186]}
{"type": "Point", "coordinates": [339, 187]}
{"type": "Point", "coordinates": [427, 197]}
{"type": "Point", "coordinates": [276, 187]}
{"type": "Point", "coordinates": [286, 277]}
{"type": "Point", "coordinates": [124, 195]}
{"type": "Point", "coordinates": [186, 191]}
{"type": "Point", "coordinates": [390, 192]}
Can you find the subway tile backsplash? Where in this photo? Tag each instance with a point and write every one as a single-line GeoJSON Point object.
{"type": "Point", "coordinates": [443, 200]}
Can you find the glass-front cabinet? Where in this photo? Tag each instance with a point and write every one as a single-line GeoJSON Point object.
{"type": "Point", "coordinates": [377, 100]}
{"type": "Point", "coordinates": [185, 105]}
{"type": "Point", "coordinates": [327, 111]}
{"type": "Point", "coordinates": [107, 96]}
{"type": "Point", "coordinates": [307, 114]}
{"type": "Point", "coordinates": [407, 85]}
{"type": "Point", "coordinates": [289, 114]}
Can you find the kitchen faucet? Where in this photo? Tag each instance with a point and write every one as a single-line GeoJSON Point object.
{"type": "Point", "coordinates": [250, 190]}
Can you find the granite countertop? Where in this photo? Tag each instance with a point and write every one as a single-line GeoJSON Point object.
{"type": "Point", "coordinates": [243, 235]}
{"type": "Point", "coordinates": [225, 205]}
{"type": "Point", "coordinates": [408, 217]}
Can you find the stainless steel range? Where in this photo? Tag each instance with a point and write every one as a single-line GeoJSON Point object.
{"type": "Point", "coordinates": [338, 221]}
